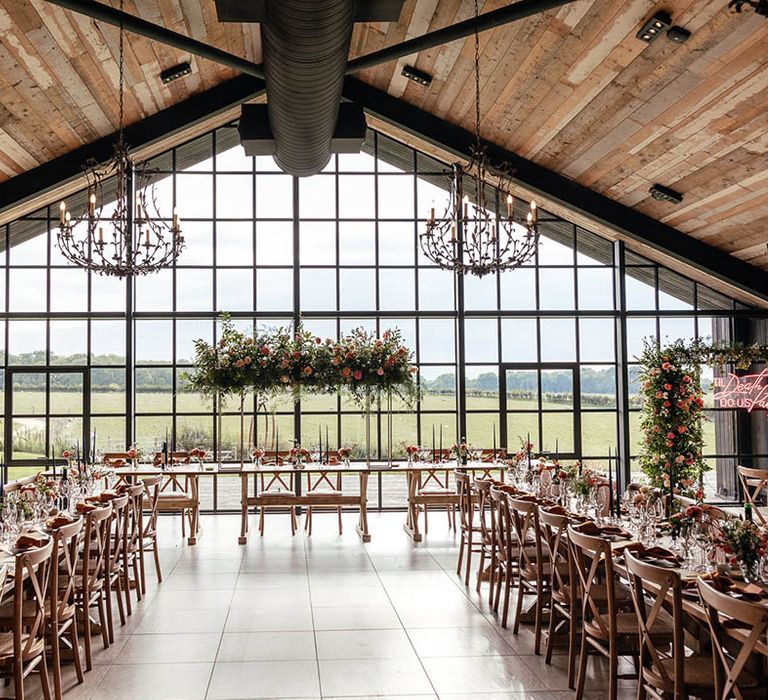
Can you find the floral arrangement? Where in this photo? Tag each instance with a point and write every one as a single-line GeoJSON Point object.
{"type": "Point", "coordinates": [566, 474]}
{"type": "Point", "coordinates": [743, 541]}
{"type": "Point", "coordinates": [199, 454]}
{"type": "Point", "coordinates": [257, 454]}
{"type": "Point", "coordinates": [461, 451]}
{"type": "Point", "coordinates": [135, 454]}
{"type": "Point", "coordinates": [411, 451]}
{"type": "Point", "coordinates": [585, 482]}
{"type": "Point", "coordinates": [672, 442]}
{"type": "Point", "coordinates": [45, 487]}
{"type": "Point", "coordinates": [298, 454]}
{"type": "Point", "coordinates": [344, 452]}
{"type": "Point", "coordinates": [268, 363]}
{"type": "Point", "coordinates": [523, 453]}
{"type": "Point", "coordinates": [684, 520]}
{"type": "Point", "coordinates": [646, 496]}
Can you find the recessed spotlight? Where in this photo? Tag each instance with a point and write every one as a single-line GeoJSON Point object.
{"type": "Point", "coordinates": [175, 72]}
{"type": "Point", "coordinates": [417, 76]}
{"type": "Point", "coordinates": [665, 194]}
{"type": "Point", "coordinates": [678, 35]}
{"type": "Point", "coordinates": [653, 27]}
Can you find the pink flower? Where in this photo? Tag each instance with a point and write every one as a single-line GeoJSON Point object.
{"type": "Point", "coordinates": [358, 375]}
{"type": "Point", "coordinates": [670, 435]}
{"type": "Point", "coordinates": [380, 371]}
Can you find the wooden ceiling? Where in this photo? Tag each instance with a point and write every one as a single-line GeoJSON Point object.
{"type": "Point", "coordinates": [572, 90]}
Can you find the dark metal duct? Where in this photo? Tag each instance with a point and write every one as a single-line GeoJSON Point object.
{"type": "Point", "coordinates": [306, 45]}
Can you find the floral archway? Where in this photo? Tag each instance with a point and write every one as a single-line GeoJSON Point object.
{"type": "Point", "coordinates": [673, 407]}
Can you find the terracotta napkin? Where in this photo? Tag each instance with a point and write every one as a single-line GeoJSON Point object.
{"type": "Point", "coordinates": [749, 590]}
{"type": "Point", "coordinates": [593, 530]}
{"type": "Point", "coordinates": [658, 553]}
{"type": "Point", "coordinates": [59, 521]}
{"type": "Point", "coordinates": [31, 540]}
{"type": "Point", "coordinates": [84, 507]}
{"type": "Point", "coordinates": [557, 510]}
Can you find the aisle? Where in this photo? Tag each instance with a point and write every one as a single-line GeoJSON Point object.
{"type": "Point", "coordinates": [317, 617]}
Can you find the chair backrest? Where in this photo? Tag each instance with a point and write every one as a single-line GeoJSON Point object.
{"type": "Point", "coordinates": [31, 583]}
{"type": "Point", "coordinates": [554, 533]}
{"type": "Point", "coordinates": [18, 484]}
{"type": "Point", "coordinates": [754, 483]}
{"type": "Point", "coordinates": [282, 481]}
{"type": "Point", "coordinates": [321, 480]}
{"type": "Point", "coordinates": [435, 475]}
{"type": "Point", "coordinates": [525, 520]}
{"type": "Point", "coordinates": [95, 545]}
{"type": "Point", "coordinates": [134, 528]}
{"type": "Point", "coordinates": [66, 543]}
{"type": "Point", "coordinates": [466, 502]}
{"type": "Point", "coordinates": [661, 584]}
{"type": "Point", "coordinates": [115, 458]}
{"type": "Point", "coordinates": [482, 488]}
{"type": "Point", "coordinates": [118, 532]}
{"type": "Point", "coordinates": [502, 525]}
{"type": "Point", "coordinates": [754, 618]}
{"type": "Point", "coordinates": [151, 485]}
{"type": "Point", "coordinates": [593, 561]}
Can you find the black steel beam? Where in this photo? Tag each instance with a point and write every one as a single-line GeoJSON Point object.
{"type": "Point", "coordinates": [630, 223]}
{"type": "Point", "coordinates": [151, 130]}
{"type": "Point", "coordinates": [136, 25]}
{"type": "Point", "coordinates": [460, 30]}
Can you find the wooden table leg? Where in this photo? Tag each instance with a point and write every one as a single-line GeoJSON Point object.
{"type": "Point", "coordinates": [362, 527]}
{"type": "Point", "coordinates": [194, 513]}
{"type": "Point", "coordinates": [412, 522]}
{"type": "Point", "coordinates": [243, 509]}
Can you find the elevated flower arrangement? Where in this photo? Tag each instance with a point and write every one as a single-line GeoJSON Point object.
{"type": "Point", "coordinates": [673, 407]}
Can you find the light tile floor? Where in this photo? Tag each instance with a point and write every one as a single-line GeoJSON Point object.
{"type": "Point", "coordinates": [326, 616]}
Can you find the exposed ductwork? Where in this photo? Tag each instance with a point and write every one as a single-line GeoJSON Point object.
{"type": "Point", "coordinates": [306, 45]}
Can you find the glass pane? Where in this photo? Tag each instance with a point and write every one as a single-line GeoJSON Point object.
{"type": "Point", "coordinates": [274, 243]}
{"type": "Point", "coordinates": [233, 159]}
{"type": "Point", "coordinates": [357, 290]}
{"type": "Point", "coordinates": [198, 243]}
{"type": "Point", "coordinates": [558, 340]}
{"type": "Point", "coordinates": [556, 289]}
{"type": "Point", "coordinates": [438, 430]}
{"type": "Point", "coordinates": [155, 292]}
{"type": "Point", "coordinates": [675, 291]}
{"type": "Point", "coordinates": [481, 340]}
{"type": "Point", "coordinates": [194, 290]}
{"type": "Point", "coordinates": [397, 290]}
{"type": "Point", "coordinates": [28, 438]}
{"type": "Point", "coordinates": [194, 431]}
{"type": "Point", "coordinates": [234, 243]}
{"type": "Point", "coordinates": [151, 432]}
{"type": "Point", "coordinates": [437, 340]}
{"type": "Point", "coordinates": [480, 292]}
{"type": "Point", "coordinates": [274, 196]}
{"type": "Point", "coordinates": [482, 388]}
{"type": "Point", "coordinates": [69, 290]}
{"type": "Point", "coordinates": [27, 289]}
{"type": "Point", "coordinates": [108, 390]}
{"type": "Point", "coordinates": [28, 396]}
{"type": "Point", "coordinates": [154, 341]}
{"type": "Point", "coordinates": [640, 288]}
{"type": "Point", "coordinates": [518, 340]}
{"type": "Point", "coordinates": [676, 328]}
{"type": "Point", "coordinates": [595, 288]}
{"type": "Point", "coordinates": [598, 433]}
{"type": "Point", "coordinates": [32, 251]}
{"type": "Point", "coordinates": [274, 290]}
{"type": "Point", "coordinates": [557, 386]}
{"type": "Point", "coordinates": [108, 342]}
{"type": "Point", "coordinates": [522, 427]}
{"type": "Point", "coordinates": [187, 332]}
{"type": "Point", "coordinates": [69, 342]}
{"type": "Point", "coordinates": [638, 330]}
{"type": "Point", "coordinates": [357, 244]}
{"type": "Point", "coordinates": [518, 290]}
{"type": "Point", "coordinates": [356, 197]}
{"type": "Point", "coordinates": [596, 339]}
{"type": "Point", "coordinates": [194, 196]}
{"type": "Point", "coordinates": [522, 389]}
{"type": "Point", "coordinates": [234, 196]}
{"type": "Point", "coordinates": [480, 429]}
{"type": "Point", "coordinates": [187, 401]}
{"type": "Point", "coordinates": [598, 387]}
{"type": "Point", "coordinates": [353, 435]}
{"type": "Point", "coordinates": [557, 433]}
{"type": "Point", "coordinates": [396, 196]}
{"type": "Point", "coordinates": [591, 249]}
{"type": "Point", "coordinates": [435, 290]}
{"type": "Point", "coordinates": [107, 293]}
{"type": "Point", "coordinates": [66, 396]}
{"type": "Point", "coordinates": [396, 243]}
{"type": "Point", "coordinates": [317, 197]}
{"type": "Point", "coordinates": [108, 433]}
{"type": "Point", "coordinates": [234, 290]}
{"type": "Point", "coordinates": [438, 387]}
{"type": "Point", "coordinates": [317, 241]}
{"type": "Point", "coordinates": [318, 289]}
{"type": "Point", "coordinates": [26, 343]}
{"type": "Point", "coordinates": [154, 389]}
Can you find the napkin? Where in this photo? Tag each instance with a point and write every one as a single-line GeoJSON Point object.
{"type": "Point", "coordinates": [84, 507]}
{"type": "Point", "coordinates": [59, 521]}
{"type": "Point", "coordinates": [557, 510]}
{"type": "Point", "coordinates": [750, 590]}
{"type": "Point", "coordinates": [658, 553]}
{"type": "Point", "coordinates": [31, 540]}
{"type": "Point", "coordinates": [593, 530]}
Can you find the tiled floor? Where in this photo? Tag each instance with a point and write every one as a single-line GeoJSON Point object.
{"type": "Point", "coordinates": [315, 617]}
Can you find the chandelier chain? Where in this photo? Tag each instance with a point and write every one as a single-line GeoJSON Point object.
{"type": "Point", "coordinates": [121, 76]}
{"type": "Point", "coordinates": [477, 78]}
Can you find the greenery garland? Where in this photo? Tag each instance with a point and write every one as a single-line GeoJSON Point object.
{"type": "Point", "coordinates": [673, 443]}
{"type": "Point", "coordinates": [269, 363]}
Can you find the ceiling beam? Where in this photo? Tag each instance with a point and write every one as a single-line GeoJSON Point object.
{"type": "Point", "coordinates": [460, 30]}
{"type": "Point", "coordinates": [136, 25]}
{"type": "Point", "coordinates": [549, 186]}
{"type": "Point", "coordinates": [40, 183]}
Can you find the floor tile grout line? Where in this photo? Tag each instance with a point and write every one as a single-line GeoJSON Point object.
{"type": "Point", "coordinates": [312, 615]}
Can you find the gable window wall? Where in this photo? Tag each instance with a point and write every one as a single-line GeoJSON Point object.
{"type": "Point", "coordinates": [542, 346]}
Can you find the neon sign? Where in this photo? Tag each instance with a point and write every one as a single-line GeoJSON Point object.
{"type": "Point", "coordinates": [749, 391]}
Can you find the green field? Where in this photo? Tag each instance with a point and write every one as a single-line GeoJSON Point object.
{"type": "Point", "coordinates": [598, 429]}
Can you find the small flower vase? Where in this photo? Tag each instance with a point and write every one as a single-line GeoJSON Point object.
{"type": "Point", "coordinates": [751, 571]}
{"type": "Point", "coordinates": [410, 459]}
{"type": "Point", "coordinates": [346, 462]}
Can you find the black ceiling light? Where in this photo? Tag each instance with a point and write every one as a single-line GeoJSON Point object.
{"type": "Point", "coordinates": [678, 35]}
{"type": "Point", "coordinates": [417, 76]}
{"type": "Point", "coordinates": [175, 72]}
{"type": "Point", "coordinates": [654, 26]}
{"type": "Point", "coordinates": [759, 6]}
{"type": "Point", "coordinates": [665, 194]}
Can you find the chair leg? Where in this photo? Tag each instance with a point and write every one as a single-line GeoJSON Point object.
{"type": "Point", "coordinates": [183, 523]}
{"type": "Point", "coordinates": [461, 554]}
{"type": "Point", "coordinates": [56, 660]}
{"type": "Point", "coordinates": [74, 639]}
{"type": "Point", "coordinates": [138, 560]}
{"type": "Point", "coordinates": [613, 672]}
{"type": "Point", "coordinates": [18, 680]}
{"type": "Point", "coordinates": [45, 682]}
{"type": "Point", "coordinates": [125, 583]}
{"type": "Point", "coordinates": [469, 557]}
{"type": "Point", "coordinates": [156, 553]}
{"type": "Point", "coordinates": [142, 569]}
{"type": "Point", "coordinates": [537, 621]}
{"type": "Point", "coordinates": [518, 607]}
{"type": "Point", "coordinates": [87, 636]}
{"type": "Point", "coordinates": [120, 607]}
{"type": "Point", "coordinates": [340, 523]}
{"type": "Point", "coordinates": [572, 648]}
{"type": "Point", "coordinates": [507, 594]}
{"type": "Point", "coordinates": [109, 630]}
{"type": "Point", "coordinates": [497, 597]}
{"type": "Point", "coordinates": [104, 618]}
{"type": "Point", "coordinates": [261, 521]}
{"type": "Point", "coordinates": [480, 569]}
{"type": "Point", "coordinates": [550, 635]}
{"type": "Point", "coordinates": [582, 667]}
{"type": "Point", "coordinates": [294, 521]}
{"type": "Point", "coordinates": [426, 523]}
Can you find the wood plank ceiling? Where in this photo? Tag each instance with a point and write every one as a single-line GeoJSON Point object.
{"type": "Point", "coordinates": [572, 89]}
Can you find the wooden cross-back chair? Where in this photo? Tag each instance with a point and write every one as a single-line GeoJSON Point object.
{"type": "Point", "coordinates": [507, 551]}
{"type": "Point", "coordinates": [605, 627]}
{"type": "Point", "coordinates": [23, 648]}
{"type": "Point", "coordinates": [275, 488]}
{"type": "Point", "coordinates": [471, 536]}
{"type": "Point", "coordinates": [665, 671]}
{"type": "Point", "coordinates": [323, 482]}
{"type": "Point", "coordinates": [533, 566]}
{"type": "Point", "coordinates": [148, 539]}
{"type": "Point", "coordinates": [179, 494]}
{"type": "Point", "coordinates": [175, 457]}
{"type": "Point", "coordinates": [754, 483]}
{"type": "Point", "coordinates": [487, 549]}
{"type": "Point", "coordinates": [89, 584]}
{"type": "Point", "coordinates": [745, 624]}
{"type": "Point", "coordinates": [115, 459]}
{"type": "Point", "coordinates": [133, 551]}
{"type": "Point", "coordinates": [562, 583]}
{"type": "Point", "coordinates": [434, 480]}
{"type": "Point", "coordinates": [114, 573]}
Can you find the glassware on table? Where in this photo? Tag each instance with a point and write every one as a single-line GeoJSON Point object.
{"type": "Point", "coordinates": [702, 538]}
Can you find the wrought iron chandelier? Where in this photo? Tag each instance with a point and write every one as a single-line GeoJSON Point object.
{"type": "Point", "coordinates": [477, 236]}
{"type": "Point", "coordinates": [134, 239]}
